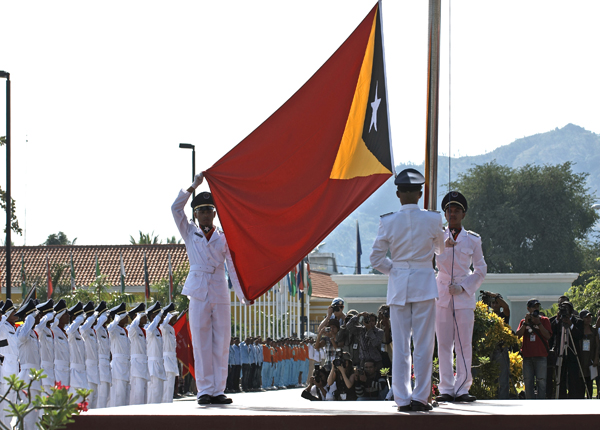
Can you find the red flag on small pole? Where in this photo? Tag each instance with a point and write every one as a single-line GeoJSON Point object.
{"type": "Point", "coordinates": [146, 279]}
{"type": "Point", "coordinates": [185, 352]}
{"type": "Point", "coordinates": [170, 279]}
{"type": "Point", "coordinates": [49, 278]}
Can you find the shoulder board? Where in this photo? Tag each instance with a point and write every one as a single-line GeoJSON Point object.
{"type": "Point", "coordinates": [432, 210]}
{"type": "Point", "coordinates": [472, 233]}
{"type": "Point", "coordinates": [381, 216]}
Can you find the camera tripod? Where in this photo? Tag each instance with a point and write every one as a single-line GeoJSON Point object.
{"type": "Point", "coordinates": [563, 351]}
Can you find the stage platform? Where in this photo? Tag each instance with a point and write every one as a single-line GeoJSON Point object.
{"type": "Point", "coordinates": [286, 410]}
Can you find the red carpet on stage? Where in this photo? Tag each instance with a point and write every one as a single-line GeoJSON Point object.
{"type": "Point", "coordinates": [286, 410]}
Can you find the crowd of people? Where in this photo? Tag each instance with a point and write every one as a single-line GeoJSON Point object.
{"type": "Point", "coordinates": [124, 357]}
{"type": "Point", "coordinates": [561, 353]}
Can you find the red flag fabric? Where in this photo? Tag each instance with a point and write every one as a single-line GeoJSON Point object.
{"type": "Point", "coordinates": [146, 278]}
{"type": "Point", "coordinates": [185, 352]}
{"type": "Point", "coordinates": [50, 289]}
{"type": "Point", "coordinates": [287, 185]}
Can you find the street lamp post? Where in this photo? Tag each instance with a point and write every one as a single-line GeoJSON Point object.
{"type": "Point", "coordinates": [193, 148]}
{"type": "Point", "coordinates": [6, 75]}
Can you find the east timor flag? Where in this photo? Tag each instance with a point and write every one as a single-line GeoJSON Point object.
{"type": "Point", "coordinates": [287, 185]}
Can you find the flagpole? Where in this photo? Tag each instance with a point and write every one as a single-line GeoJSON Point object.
{"type": "Point", "coordinates": [386, 90]}
{"type": "Point", "coordinates": [259, 317]}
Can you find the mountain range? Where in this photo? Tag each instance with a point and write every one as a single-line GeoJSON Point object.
{"type": "Point", "coordinates": [570, 143]}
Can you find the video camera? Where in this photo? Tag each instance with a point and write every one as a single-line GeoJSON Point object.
{"type": "Point", "coordinates": [565, 311]}
{"type": "Point", "coordinates": [487, 297]}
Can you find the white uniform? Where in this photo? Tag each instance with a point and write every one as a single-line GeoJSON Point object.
{"type": "Point", "coordinates": [139, 363]}
{"type": "Point", "coordinates": [10, 366]}
{"type": "Point", "coordinates": [29, 358]}
{"type": "Point", "coordinates": [91, 359]}
{"type": "Point", "coordinates": [77, 355]}
{"type": "Point", "coordinates": [62, 359]}
{"type": "Point", "coordinates": [209, 311]}
{"type": "Point", "coordinates": [156, 367]}
{"type": "Point", "coordinates": [412, 236]}
{"type": "Point", "coordinates": [170, 358]}
{"type": "Point", "coordinates": [455, 317]}
{"type": "Point", "coordinates": [103, 362]}
{"type": "Point", "coordinates": [46, 339]}
{"type": "Point", "coordinates": [121, 350]}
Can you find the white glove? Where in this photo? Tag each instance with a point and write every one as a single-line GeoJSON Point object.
{"type": "Point", "coordinates": [197, 180]}
{"type": "Point", "coordinates": [455, 289]}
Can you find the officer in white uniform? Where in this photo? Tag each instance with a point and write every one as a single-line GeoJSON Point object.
{"type": "Point", "coordinates": [412, 236]}
{"type": "Point", "coordinates": [10, 365]}
{"type": "Point", "coordinates": [77, 349]}
{"type": "Point", "coordinates": [169, 351]}
{"type": "Point", "coordinates": [46, 339]}
{"type": "Point", "coordinates": [120, 350]}
{"type": "Point", "coordinates": [91, 353]}
{"type": "Point", "coordinates": [154, 345]}
{"type": "Point", "coordinates": [139, 356]}
{"type": "Point", "coordinates": [29, 355]}
{"type": "Point", "coordinates": [62, 359]}
{"type": "Point", "coordinates": [103, 356]}
{"type": "Point", "coordinates": [206, 286]}
{"type": "Point", "coordinates": [457, 286]}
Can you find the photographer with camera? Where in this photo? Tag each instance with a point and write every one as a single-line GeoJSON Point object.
{"type": "Point", "coordinates": [317, 385]}
{"type": "Point", "coordinates": [567, 332]}
{"type": "Point", "coordinates": [370, 338]}
{"type": "Point", "coordinates": [383, 323]}
{"type": "Point", "coordinates": [334, 311]}
{"type": "Point", "coordinates": [341, 379]}
{"type": "Point", "coordinates": [369, 384]}
{"type": "Point", "coordinates": [535, 330]}
{"type": "Point", "coordinates": [589, 346]}
{"type": "Point", "coordinates": [327, 339]}
{"type": "Point", "coordinates": [347, 341]}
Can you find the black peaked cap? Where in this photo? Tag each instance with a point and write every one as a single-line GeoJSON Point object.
{"type": "Point", "coordinates": [26, 309]}
{"type": "Point", "coordinates": [118, 310]}
{"type": "Point", "coordinates": [203, 200]}
{"type": "Point", "coordinates": [169, 308]}
{"type": "Point", "coordinates": [46, 307]}
{"type": "Point", "coordinates": [454, 198]}
{"type": "Point", "coordinates": [60, 306]}
{"type": "Point", "coordinates": [101, 308]}
{"type": "Point", "coordinates": [88, 308]}
{"type": "Point", "coordinates": [76, 309]}
{"type": "Point", "coordinates": [8, 306]}
{"type": "Point", "coordinates": [139, 308]}
{"type": "Point", "coordinates": [154, 309]}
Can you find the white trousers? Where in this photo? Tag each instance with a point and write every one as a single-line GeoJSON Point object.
{"type": "Point", "coordinates": [12, 396]}
{"type": "Point", "coordinates": [138, 394]}
{"type": "Point", "coordinates": [169, 389]}
{"type": "Point", "coordinates": [103, 395]}
{"type": "Point", "coordinates": [30, 421]}
{"type": "Point", "coordinates": [455, 335]}
{"type": "Point", "coordinates": [417, 319]}
{"type": "Point", "coordinates": [210, 326]}
{"type": "Point", "coordinates": [93, 399]}
{"type": "Point", "coordinates": [119, 393]}
{"type": "Point", "coordinates": [156, 388]}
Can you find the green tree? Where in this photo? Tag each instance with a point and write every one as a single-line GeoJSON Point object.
{"type": "Point", "coordinates": [532, 219]}
{"type": "Point", "coordinates": [173, 240]}
{"type": "Point", "coordinates": [145, 239]}
{"type": "Point", "coordinates": [59, 239]}
{"type": "Point", "coordinates": [14, 222]}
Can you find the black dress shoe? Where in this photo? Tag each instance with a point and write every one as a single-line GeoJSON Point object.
{"type": "Point", "coordinates": [418, 406]}
{"type": "Point", "coordinates": [405, 408]}
{"type": "Point", "coordinates": [445, 398]}
{"type": "Point", "coordinates": [204, 399]}
{"type": "Point", "coordinates": [221, 400]}
{"type": "Point", "coordinates": [465, 398]}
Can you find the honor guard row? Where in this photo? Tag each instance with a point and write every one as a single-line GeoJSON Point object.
{"type": "Point", "coordinates": [121, 363]}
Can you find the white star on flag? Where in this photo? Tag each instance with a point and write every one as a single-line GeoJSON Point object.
{"type": "Point", "coordinates": [375, 106]}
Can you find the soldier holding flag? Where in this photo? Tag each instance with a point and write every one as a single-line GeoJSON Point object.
{"type": "Point", "coordinates": [206, 287]}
